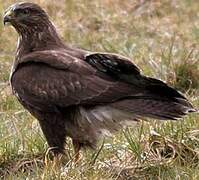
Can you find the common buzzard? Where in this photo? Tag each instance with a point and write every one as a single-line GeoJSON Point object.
{"type": "Point", "coordinates": [80, 94]}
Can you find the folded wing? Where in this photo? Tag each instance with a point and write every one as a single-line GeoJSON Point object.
{"type": "Point", "coordinates": [60, 80]}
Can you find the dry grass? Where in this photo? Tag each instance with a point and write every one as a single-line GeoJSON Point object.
{"type": "Point", "coordinates": [162, 38]}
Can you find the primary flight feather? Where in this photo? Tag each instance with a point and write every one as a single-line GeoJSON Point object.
{"type": "Point", "coordinates": [77, 93]}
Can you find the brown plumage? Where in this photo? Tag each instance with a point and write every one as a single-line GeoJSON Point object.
{"type": "Point", "coordinates": [77, 93]}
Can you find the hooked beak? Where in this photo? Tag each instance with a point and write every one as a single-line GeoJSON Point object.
{"type": "Point", "coordinates": [8, 17]}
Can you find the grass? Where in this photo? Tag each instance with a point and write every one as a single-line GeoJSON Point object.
{"type": "Point", "coordinates": [162, 38]}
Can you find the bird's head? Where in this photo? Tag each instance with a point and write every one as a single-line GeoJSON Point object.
{"type": "Point", "coordinates": [24, 16]}
{"type": "Point", "coordinates": [33, 25]}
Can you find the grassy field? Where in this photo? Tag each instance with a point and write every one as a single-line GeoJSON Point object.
{"type": "Point", "coordinates": [162, 38]}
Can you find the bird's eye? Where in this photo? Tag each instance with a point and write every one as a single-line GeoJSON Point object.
{"type": "Point", "coordinates": [20, 11]}
{"type": "Point", "coordinates": [25, 11]}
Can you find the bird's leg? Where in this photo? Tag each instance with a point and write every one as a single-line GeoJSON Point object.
{"type": "Point", "coordinates": [53, 128]}
{"type": "Point", "coordinates": [77, 147]}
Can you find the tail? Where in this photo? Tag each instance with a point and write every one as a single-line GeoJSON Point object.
{"type": "Point", "coordinates": [157, 100]}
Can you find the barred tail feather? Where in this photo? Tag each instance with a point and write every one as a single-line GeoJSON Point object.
{"type": "Point", "coordinates": [156, 100]}
{"type": "Point", "coordinates": [166, 109]}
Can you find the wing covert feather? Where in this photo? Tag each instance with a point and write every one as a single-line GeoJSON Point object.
{"type": "Point", "coordinates": [65, 88]}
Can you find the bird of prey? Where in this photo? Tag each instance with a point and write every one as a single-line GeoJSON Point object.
{"type": "Point", "coordinates": [77, 93]}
